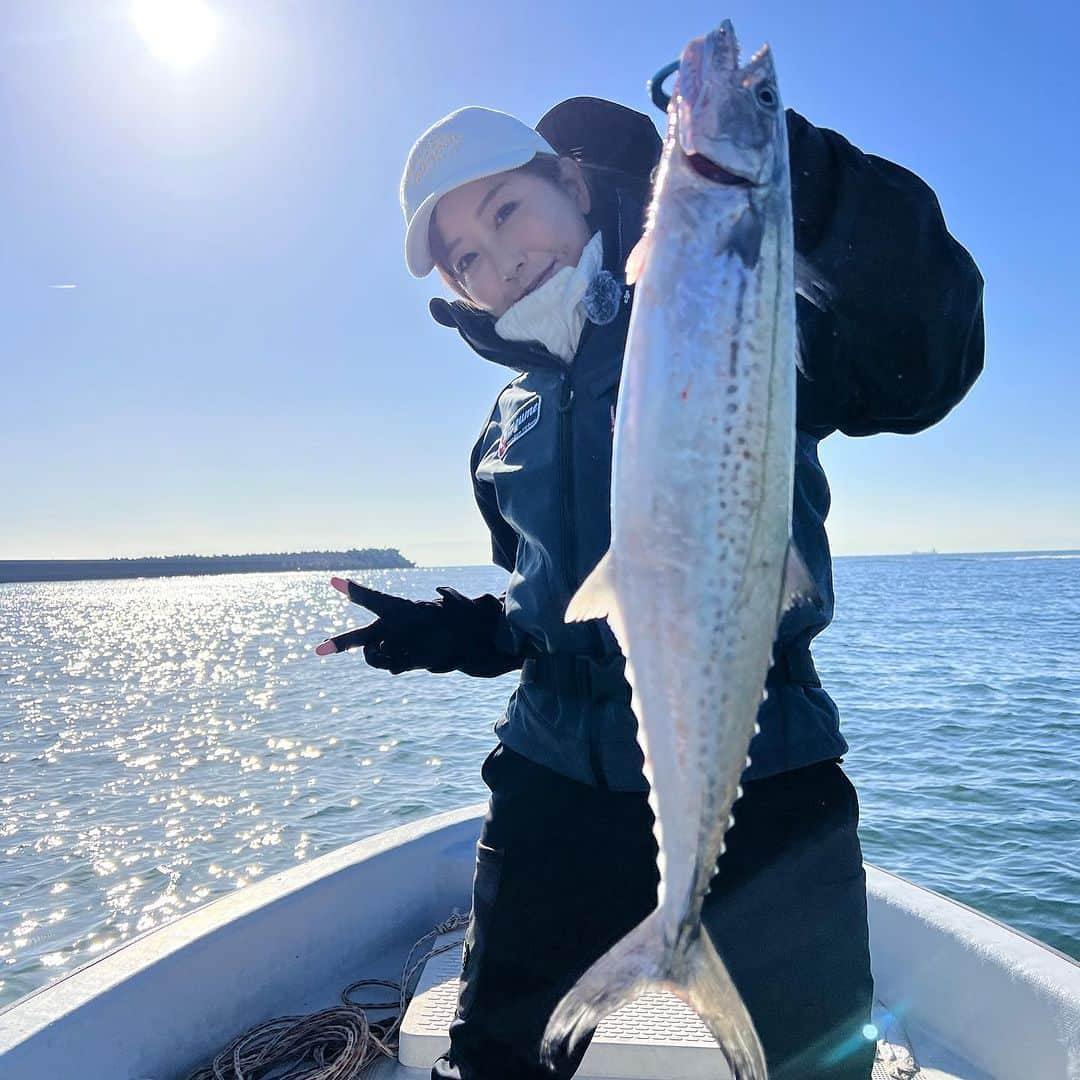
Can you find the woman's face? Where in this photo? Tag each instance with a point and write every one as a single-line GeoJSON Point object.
{"type": "Point", "coordinates": [506, 234]}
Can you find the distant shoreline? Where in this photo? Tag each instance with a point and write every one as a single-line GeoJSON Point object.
{"type": "Point", "coordinates": [43, 570]}
{"type": "Point", "coordinates": [27, 570]}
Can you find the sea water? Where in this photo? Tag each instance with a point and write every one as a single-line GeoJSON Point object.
{"type": "Point", "coordinates": [165, 741]}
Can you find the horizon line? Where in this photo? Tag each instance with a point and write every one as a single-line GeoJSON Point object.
{"type": "Point", "coordinates": [329, 551]}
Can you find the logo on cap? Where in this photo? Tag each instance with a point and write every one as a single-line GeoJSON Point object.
{"type": "Point", "coordinates": [430, 152]}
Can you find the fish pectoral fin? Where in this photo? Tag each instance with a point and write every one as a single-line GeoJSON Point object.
{"type": "Point", "coordinates": [635, 261]}
{"type": "Point", "coordinates": [811, 285]}
{"type": "Point", "coordinates": [595, 599]}
{"type": "Point", "coordinates": [744, 237]}
{"type": "Point", "coordinates": [799, 352]}
{"type": "Point", "coordinates": [798, 584]}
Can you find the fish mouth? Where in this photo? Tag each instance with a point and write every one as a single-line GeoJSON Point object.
{"type": "Point", "coordinates": [708, 168]}
{"type": "Point", "coordinates": [723, 47]}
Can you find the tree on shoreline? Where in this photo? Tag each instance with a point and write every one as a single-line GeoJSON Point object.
{"type": "Point", "coordinates": [178, 565]}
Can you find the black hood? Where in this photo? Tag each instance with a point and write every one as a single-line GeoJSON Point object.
{"type": "Point", "coordinates": [626, 147]}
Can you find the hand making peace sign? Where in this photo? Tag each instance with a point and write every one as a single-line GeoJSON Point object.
{"type": "Point", "coordinates": [453, 633]}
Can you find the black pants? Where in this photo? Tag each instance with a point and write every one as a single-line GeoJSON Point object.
{"type": "Point", "coordinates": [564, 870]}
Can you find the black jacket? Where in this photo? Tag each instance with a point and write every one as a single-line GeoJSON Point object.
{"type": "Point", "coordinates": [898, 347]}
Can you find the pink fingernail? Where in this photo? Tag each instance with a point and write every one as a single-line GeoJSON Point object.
{"type": "Point", "coordinates": [340, 584]}
{"type": "Point", "coordinates": [325, 648]}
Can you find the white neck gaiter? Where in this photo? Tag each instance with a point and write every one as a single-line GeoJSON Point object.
{"type": "Point", "coordinates": [554, 314]}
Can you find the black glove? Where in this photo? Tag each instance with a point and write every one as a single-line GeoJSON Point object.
{"type": "Point", "coordinates": [453, 633]}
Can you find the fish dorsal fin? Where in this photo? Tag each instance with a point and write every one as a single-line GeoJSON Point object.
{"type": "Point", "coordinates": [798, 584]}
{"type": "Point", "coordinates": [597, 599]}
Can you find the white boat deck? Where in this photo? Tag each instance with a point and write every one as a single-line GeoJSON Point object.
{"type": "Point", "coordinates": [656, 1037]}
{"type": "Point", "coordinates": [975, 999]}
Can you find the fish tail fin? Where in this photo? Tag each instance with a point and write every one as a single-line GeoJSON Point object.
{"type": "Point", "coordinates": [630, 967]}
{"type": "Point", "coordinates": [715, 998]}
{"type": "Point", "coordinates": [642, 961]}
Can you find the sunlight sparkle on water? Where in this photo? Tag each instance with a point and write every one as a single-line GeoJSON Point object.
{"type": "Point", "coordinates": [137, 714]}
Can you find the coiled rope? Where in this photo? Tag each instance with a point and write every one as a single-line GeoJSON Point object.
{"type": "Point", "coordinates": [335, 1044]}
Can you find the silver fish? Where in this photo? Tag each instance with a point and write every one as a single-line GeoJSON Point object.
{"type": "Point", "coordinates": [701, 565]}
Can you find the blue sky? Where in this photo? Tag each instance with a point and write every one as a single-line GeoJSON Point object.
{"type": "Point", "coordinates": [245, 364]}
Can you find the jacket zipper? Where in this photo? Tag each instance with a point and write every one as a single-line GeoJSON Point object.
{"type": "Point", "coordinates": [566, 483]}
{"type": "Point", "coordinates": [566, 488]}
{"type": "Point", "coordinates": [566, 456]}
{"type": "Point", "coordinates": [566, 479]}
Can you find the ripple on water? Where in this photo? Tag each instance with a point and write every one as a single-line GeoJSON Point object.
{"type": "Point", "coordinates": [164, 742]}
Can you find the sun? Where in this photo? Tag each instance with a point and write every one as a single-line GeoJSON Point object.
{"type": "Point", "coordinates": [180, 32]}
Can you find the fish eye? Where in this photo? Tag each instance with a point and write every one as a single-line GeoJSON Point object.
{"type": "Point", "coordinates": [766, 96]}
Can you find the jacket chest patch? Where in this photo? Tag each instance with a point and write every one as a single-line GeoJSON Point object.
{"type": "Point", "coordinates": [524, 420]}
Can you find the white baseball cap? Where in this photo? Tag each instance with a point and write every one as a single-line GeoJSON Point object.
{"type": "Point", "coordinates": [466, 145]}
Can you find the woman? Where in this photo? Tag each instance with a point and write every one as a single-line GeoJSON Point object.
{"type": "Point", "coordinates": [522, 224]}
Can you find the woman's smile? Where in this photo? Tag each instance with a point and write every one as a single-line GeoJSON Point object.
{"type": "Point", "coordinates": [498, 233]}
{"type": "Point", "coordinates": [541, 279]}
